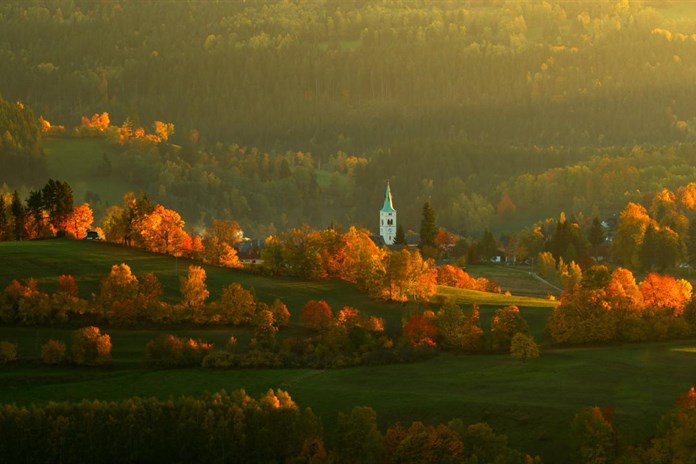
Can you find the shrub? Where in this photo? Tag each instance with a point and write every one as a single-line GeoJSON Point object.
{"type": "Point", "coordinates": [53, 352]}
{"type": "Point", "coordinates": [220, 360]}
{"type": "Point", "coordinates": [90, 347]}
{"type": "Point", "coordinates": [8, 352]}
{"type": "Point", "coordinates": [523, 347]}
{"type": "Point", "coordinates": [171, 351]}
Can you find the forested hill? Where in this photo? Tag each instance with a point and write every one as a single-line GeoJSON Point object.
{"type": "Point", "coordinates": [356, 75]}
{"type": "Point", "coordinates": [504, 111]}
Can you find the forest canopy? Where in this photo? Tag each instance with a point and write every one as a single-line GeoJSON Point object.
{"type": "Point", "coordinates": [488, 101]}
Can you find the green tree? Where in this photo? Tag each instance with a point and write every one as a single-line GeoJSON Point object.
{"type": "Point", "coordinates": [596, 235]}
{"type": "Point", "coordinates": [400, 237]}
{"type": "Point", "coordinates": [428, 229]}
{"type": "Point", "coordinates": [505, 324]}
{"type": "Point", "coordinates": [357, 437]}
{"type": "Point", "coordinates": [523, 347]}
{"type": "Point", "coordinates": [487, 247]}
{"type": "Point", "coordinates": [594, 435]}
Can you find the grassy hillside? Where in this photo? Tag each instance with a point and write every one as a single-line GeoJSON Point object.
{"type": "Point", "coordinates": [88, 262]}
{"type": "Point", "coordinates": [531, 402]}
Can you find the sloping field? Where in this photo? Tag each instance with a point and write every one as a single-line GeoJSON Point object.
{"type": "Point", "coordinates": [533, 403]}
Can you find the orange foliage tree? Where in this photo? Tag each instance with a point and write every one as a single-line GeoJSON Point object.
{"type": "Point", "coordinates": [316, 315]}
{"type": "Point", "coordinates": [162, 231]}
{"type": "Point", "coordinates": [420, 330]}
{"type": "Point", "coordinates": [79, 221]}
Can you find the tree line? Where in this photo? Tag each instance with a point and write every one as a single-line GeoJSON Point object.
{"type": "Point", "coordinates": [235, 427]}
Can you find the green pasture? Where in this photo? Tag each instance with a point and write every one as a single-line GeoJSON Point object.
{"type": "Point", "coordinates": [89, 261]}
{"type": "Point", "coordinates": [533, 402]}
{"type": "Point", "coordinates": [518, 280]}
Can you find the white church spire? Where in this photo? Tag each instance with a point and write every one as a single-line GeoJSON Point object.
{"type": "Point", "coordinates": [387, 218]}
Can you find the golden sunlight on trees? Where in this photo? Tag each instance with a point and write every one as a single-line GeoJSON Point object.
{"type": "Point", "coordinates": [420, 330]}
{"type": "Point", "coordinates": [630, 231]}
{"type": "Point", "coordinates": [79, 221]}
{"type": "Point", "coordinates": [100, 122]}
{"type": "Point", "coordinates": [162, 231]}
{"type": "Point", "coordinates": [665, 293]}
{"type": "Point", "coordinates": [90, 347]}
{"type": "Point", "coordinates": [506, 323]}
{"type": "Point", "coordinates": [194, 291]}
{"type": "Point", "coordinates": [163, 130]}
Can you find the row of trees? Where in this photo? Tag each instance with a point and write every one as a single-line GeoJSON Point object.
{"type": "Point", "coordinates": [606, 306]}
{"type": "Point", "coordinates": [45, 212]}
{"type": "Point", "coordinates": [125, 299]}
{"type": "Point", "coordinates": [274, 428]}
{"type": "Point", "coordinates": [224, 426]}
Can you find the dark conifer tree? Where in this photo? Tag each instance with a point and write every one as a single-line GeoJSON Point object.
{"type": "Point", "coordinates": [428, 230]}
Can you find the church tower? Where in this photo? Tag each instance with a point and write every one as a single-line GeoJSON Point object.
{"type": "Point", "coordinates": [387, 219]}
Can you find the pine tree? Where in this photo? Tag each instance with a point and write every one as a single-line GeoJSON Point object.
{"type": "Point", "coordinates": [400, 238]}
{"type": "Point", "coordinates": [596, 235]}
{"type": "Point", "coordinates": [428, 230]}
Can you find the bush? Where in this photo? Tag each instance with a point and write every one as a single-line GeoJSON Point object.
{"type": "Point", "coordinates": [90, 347]}
{"type": "Point", "coordinates": [220, 360]}
{"type": "Point", "coordinates": [8, 352]}
{"type": "Point", "coordinates": [53, 352]}
{"type": "Point", "coordinates": [172, 351]}
{"type": "Point", "coordinates": [523, 347]}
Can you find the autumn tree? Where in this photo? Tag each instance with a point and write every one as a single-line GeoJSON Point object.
{"type": "Point", "coordinates": [505, 324]}
{"type": "Point", "coordinates": [676, 431]}
{"type": "Point", "coordinates": [316, 315]}
{"type": "Point", "coordinates": [161, 231]}
{"type": "Point", "coordinates": [363, 261]}
{"type": "Point", "coordinates": [117, 291]}
{"type": "Point", "coordinates": [459, 329]}
{"type": "Point", "coordinates": [53, 352]}
{"type": "Point", "coordinates": [595, 437]}
{"type": "Point", "coordinates": [663, 293]}
{"type": "Point", "coordinates": [265, 329]}
{"type": "Point", "coordinates": [79, 221]}
{"type": "Point", "coordinates": [421, 331]}
{"type": "Point", "coordinates": [219, 242]}
{"type": "Point", "coordinates": [357, 437]}
{"type": "Point", "coordinates": [236, 306]}
{"type": "Point", "coordinates": [281, 314]}
{"type": "Point", "coordinates": [90, 347]}
{"type": "Point", "coordinates": [8, 352]}
{"type": "Point", "coordinates": [194, 291]}
{"type": "Point", "coordinates": [523, 347]}
{"type": "Point", "coordinates": [630, 232]}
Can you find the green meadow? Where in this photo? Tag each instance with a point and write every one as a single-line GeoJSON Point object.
{"type": "Point", "coordinates": [533, 402]}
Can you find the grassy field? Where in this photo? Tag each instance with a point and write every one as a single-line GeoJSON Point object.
{"type": "Point", "coordinates": [88, 262]}
{"type": "Point", "coordinates": [518, 280]}
{"type": "Point", "coordinates": [531, 402]}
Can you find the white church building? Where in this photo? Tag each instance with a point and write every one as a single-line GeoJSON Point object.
{"type": "Point", "coordinates": [387, 219]}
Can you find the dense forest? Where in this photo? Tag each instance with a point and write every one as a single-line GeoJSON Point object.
{"type": "Point", "coordinates": [505, 111]}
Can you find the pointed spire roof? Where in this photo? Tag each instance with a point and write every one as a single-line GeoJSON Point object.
{"type": "Point", "coordinates": [388, 207]}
